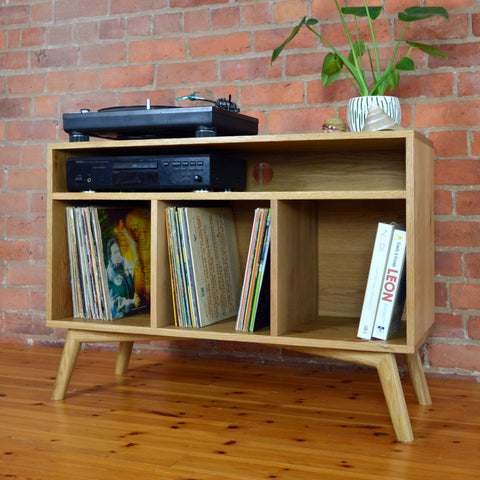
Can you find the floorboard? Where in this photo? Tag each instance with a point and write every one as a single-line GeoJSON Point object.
{"type": "Point", "coordinates": [184, 419]}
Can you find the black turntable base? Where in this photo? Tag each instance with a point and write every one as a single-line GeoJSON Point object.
{"type": "Point", "coordinates": [143, 122]}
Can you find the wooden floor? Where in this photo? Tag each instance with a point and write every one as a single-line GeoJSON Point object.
{"type": "Point", "coordinates": [209, 420]}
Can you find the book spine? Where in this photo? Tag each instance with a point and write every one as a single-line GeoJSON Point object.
{"type": "Point", "coordinates": [376, 273]}
{"type": "Point", "coordinates": [391, 286]}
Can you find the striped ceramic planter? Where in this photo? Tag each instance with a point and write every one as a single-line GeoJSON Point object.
{"type": "Point", "coordinates": [358, 108]}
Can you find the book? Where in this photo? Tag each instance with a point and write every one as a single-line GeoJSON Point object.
{"type": "Point", "coordinates": [376, 273]}
{"type": "Point", "coordinates": [109, 253]}
{"type": "Point", "coordinates": [254, 311]}
{"type": "Point", "coordinates": [204, 263]}
{"type": "Point", "coordinates": [393, 292]}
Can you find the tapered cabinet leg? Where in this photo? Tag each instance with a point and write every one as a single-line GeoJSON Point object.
{"type": "Point", "coordinates": [392, 389]}
{"type": "Point", "coordinates": [417, 374]}
{"type": "Point", "coordinates": [123, 357]}
{"type": "Point", "coordinates": [67, 364]}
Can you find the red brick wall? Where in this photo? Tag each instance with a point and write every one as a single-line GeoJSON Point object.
{"type": "Point", "coordinates": [59, 56]}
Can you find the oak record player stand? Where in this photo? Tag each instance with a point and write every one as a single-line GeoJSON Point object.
{"type": "Point", "coordinates": [327, 195]}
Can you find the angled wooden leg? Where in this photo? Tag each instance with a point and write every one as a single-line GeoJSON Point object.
{"type": "Point", "coordinates": [392, 388]}
{"type": "Point", "coordinates": [417, 374]}
{"type": "Point", "coordinates": [67, 364]}
{"type": "Point", "coordinates": [123, 357]}
{"type": "Point", "coordinates": [387, 369]}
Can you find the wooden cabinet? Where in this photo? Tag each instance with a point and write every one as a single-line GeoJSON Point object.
{"type": "Point", "coordinates": [327, 193]}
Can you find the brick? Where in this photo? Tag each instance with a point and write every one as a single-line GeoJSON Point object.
{"type": "Point", "coordinates": [476, 144]}
{"type": "Point", "coordinates": [103, 54]}
{"type": "Point", "coordinates": [66, 10]}
{"type": "Point", "coordinates": [38, 303]}
{"type": "Point", "coordinates": [14, 36]}
{"type": "Point", "coordinates": [447, 114]}
{"type": "Point", "coordinates": [256, 14]}
{"type": "Point", "coordinates": [441, 294]}
{"type": "Point", "coordinates": [3, 39]}
{"type": "Point", "coordinates": [157, 49]}
{"type": "Point", "coordinates": [425, 85]}
{"type": "Point", "coordinates": [457, 172]}
{"type": "Point", "coordinates": [135, 6]}
{"type": "Point", "coordinates": [14, 202]}
{"type": "Point", "coordinates": [197, 21]}
{"type": "Point", "coordinates": [472, 265]}
{"type": "Point", "coordinates": [289, 10]}
{"type": "Point", "coordinates": [465, 296]}
{"type": "Point", "coordinates": [14, 107]}
{"type": "Point", "coordinates": [227, 17]}
{"type": "Point", "coordinates": [24, 273]}
{"type": "Point", "coordinates": [228, 44]}
{"type": "Point", "coordinates": [426, 31]}
{"type": "Point", "coordinates": [14, 15]}
{"type": "Point", "coordinates": [26, 226]}
{"type": "Point", "coordinates": [157, 97]}
{"type": "Point", "coordinates": [34, 155]}
{"type": "Point", "coordinates": [86, 31]}
{"type": "Point", "coordinates": [194, 3]}
{"type": "Point", "coordinates": [335, 34]}
{"type": "Point", "coordinates": [42, 12]}
{"type": "Point", "coordinates": [448, 264]}
{"type": "Point", "coordinates": [59, 34]}
{"type": "Point", "coordinates": [131, 76]}
{"type": "Point", "coordinates": [38, 249]}
{"type": "Point", "coordinates": [46, 106]}
{"type": "Point", "coordinates": [468, 202]}
{"type": "Point", "coordinates": [33, 37]}
{"type": "Point", "coordinates": [276, 93]}
{"type": "Point", "coordinates": [110, 29]}
{"type": "Point", "coordinates": [54, 57]}
{"type": "Point", "coordinates": [16, 60]}
{"type": "Point", "coordinates": [338, 91]}
{"type": "Point", "coordinates": [459, 56]}
{"type": "Point", "coordinates": [457, 234]}
{"type": "Point", "coordinates": [468, 83]}
{"type": "Point", "coordinates": [15, 250]}
{"type": "Point", "coordinates": [448, 326]}
{"type": "Point", "coordinates": [25, 324]}
{"type": "Point", "coordinates": [167, 23]}
{"type": "Point", "coordinates": [31, 130]}
{"type": "Point", "coordinates": [10, 155]}
{"type": "Point", "coordinates": [180, 73]}
{"type": "Point", "coordinates": [38, 202]}
{"type": "Point", "coordinates": [94, 100]}
{"type": "Point", "coordinates": [465, 357]}
{"type": "Point", "coordinates": [451, 143]}
{"type": "Point", "coordinates": [72, 80]}
{"type": "Point", "coordinates": [298, 119]}
{"type": "Point", "coordinates": [473, 328]}
{"type": "Point", "coordinates": [248, 69]}
{"type": "Point", "coordinates": [34, 179]}
{"type": "Point", "coordinates": [443, 204]}
{"type": "Point", "coordinates": [14, 299]}
{"type": "Point", "coordinates": [476, 24]}
{"type": "Point", "coordinates": [139, 26]}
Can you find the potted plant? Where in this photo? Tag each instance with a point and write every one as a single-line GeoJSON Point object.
{"type": "Point", "coordinates": [366, 74]}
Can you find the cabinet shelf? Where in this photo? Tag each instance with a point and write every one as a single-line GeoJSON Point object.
{"type": "Point", "coordinates": [327, 193]}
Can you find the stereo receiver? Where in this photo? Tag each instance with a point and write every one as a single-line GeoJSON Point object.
{"type": "Point", "coordinates": [156, 173]}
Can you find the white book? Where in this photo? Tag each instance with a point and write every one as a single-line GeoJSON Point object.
{"type": "Point", "coordinates": [392, 296]}
{"type": "Point", "coordinates": [378, 263]}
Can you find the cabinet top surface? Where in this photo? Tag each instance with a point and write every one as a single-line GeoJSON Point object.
{"type": "Point", "coordinates": [326, 140]}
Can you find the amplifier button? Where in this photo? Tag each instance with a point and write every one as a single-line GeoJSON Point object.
{"type": "Point", "coordinates": [197, 178]}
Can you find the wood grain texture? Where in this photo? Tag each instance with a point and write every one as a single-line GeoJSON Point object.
{"type": "Point", "coordinates": [181, 419]}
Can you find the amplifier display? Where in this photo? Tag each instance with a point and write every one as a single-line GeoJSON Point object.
{"type": "Point", "coordinates": [156, 173]}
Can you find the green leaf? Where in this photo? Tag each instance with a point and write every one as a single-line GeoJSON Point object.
{"type": "Point", "coordinates": [393, 79]}
{"type": "Point", "coordinates": [276, 53]}
{"type": "Point", "coordinates": [405, 64]}
{"type": "Point", "coordinates": [428, 49]}
{"type": "Point", "coordinates": [359, 49]}
{"type": "Point", "coordinates": [414, 14]}
{"type": "Point", "coordinates": [362, 11]}
{"type": "Point", "coordinates": [331, 69]}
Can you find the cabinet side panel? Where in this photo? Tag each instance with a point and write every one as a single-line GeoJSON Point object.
{"type": "Point", "coordinates": [161, 309]}
{"type": "Point", "coordinates": [294, 265]}
{"type": "Point", "coordinates": [59, 291]}
{"type": "Point", "coordinates": [420, 242]}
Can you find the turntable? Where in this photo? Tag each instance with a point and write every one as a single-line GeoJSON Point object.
{"type": "Point", "coordinates": [143, 122]}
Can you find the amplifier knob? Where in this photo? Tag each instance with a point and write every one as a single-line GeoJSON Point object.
{"type": "Point", "coordinates": [197, 178]}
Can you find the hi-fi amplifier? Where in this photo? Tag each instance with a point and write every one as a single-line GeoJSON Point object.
{"type": "Point", "coordinates": [156, 173]}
